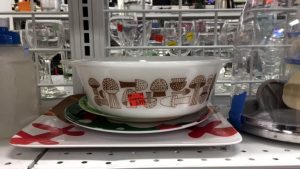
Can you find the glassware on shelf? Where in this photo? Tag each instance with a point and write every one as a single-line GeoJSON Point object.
{"type": "Point", "coordinates": [132, 34]}
{"type": "Point", "coordinates": [262, 40]}
{"type": "Point", "coordinates": [49, 36]}
{"type": "Point", "coordinates": [173, 34]}
{"type": "Point", "coordinates": [200, 29]}
{"type": "Point", "coordinates": [136, 4]}
{"type": "Point", "coordinates": [157, 38]}
{"type": "Point", "coordinates": [50, 5]}
{"type": "Point", "coordinates": [114, 21]}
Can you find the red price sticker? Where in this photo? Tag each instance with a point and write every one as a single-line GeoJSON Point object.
{"type": "Point", "coordinates": [136, 99]}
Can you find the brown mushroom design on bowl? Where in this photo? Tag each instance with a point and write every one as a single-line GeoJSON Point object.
{"type": "Point", "coordinates": [174, 100]}
{"type": "Point", "coordinates": [159, 88]}
{"type": "Point", "coordinates": [203, 96]}
{"type": "Point", "coordinates": [138, 84]}
{"type": "Point", "coordinates": [150, 102]}
{"type": "Point", "coordinates": [94, 85]}
{"type": "Point", "coordinates": [177, 84]}
{"type": "Point", "coordinates": [125, 101]}
{"type": "Point", "coordinates": [210, 82]}
{"type": "Point", "coordinates": [111, 88]}
{"type": "Point", "coordinates": [196, 84]}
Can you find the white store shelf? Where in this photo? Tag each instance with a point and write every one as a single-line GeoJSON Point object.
{"type": "Point", "coordinates": [16, 158]}
{"type": "Point", "coordinates": [253, 152]}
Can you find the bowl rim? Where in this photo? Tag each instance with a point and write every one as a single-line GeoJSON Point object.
{"type": "Point", "coordinates": [151, 61]}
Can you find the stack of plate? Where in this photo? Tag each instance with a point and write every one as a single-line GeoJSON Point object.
{"type": "Point", "coordinates": [277, 124]}
{"type": "Point", "coordinates": [85, 115]}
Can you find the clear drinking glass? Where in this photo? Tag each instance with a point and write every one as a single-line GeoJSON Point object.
{"type": "Point", "coordinates": [172, 36]}
{"type": "Point", "coordinates": [158, 39]}
{"type": "Point", "coordinates": [200, 28]}
{"type": "Point", "coordinates": [50, 5]}
{"type": "Point", "coordinates": [132, 33]}
{"type": "Point", "coordinates": [49, 35]}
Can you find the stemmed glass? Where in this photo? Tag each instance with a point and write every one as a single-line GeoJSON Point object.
{"type": "Point", "coordinates": [172, 36]}
{"type": "Point", "coordinates": [49, 35]}
{"type": "Point", "coordinates": [114, 21]}
{"type": "Point", "coordinates": [131, 33]}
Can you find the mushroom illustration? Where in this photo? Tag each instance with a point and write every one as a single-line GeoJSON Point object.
{"type": "Point", "coordinates": [211, 82]}
{"type": "Point", "coordinates": [159, 88]}
{"type": "Point", "coordinates": [138, 84]}
{"type": "Point", "coordinates": [177, 83]}
{"type": "Point", "coordinates": [102, 94]}
{"type": "Point", "coordinates": [150, 101]}
{"type": "Point", "coordinates": [173, 101]}
{"type": "Point", "coordinates": [111, 87]}
{"type": "Point", "coordinates": [125, 97]}
{"type": "Point", "coordinates": [99, 101]}
{"type": "Point", "coordinates": [183, 92]}
{"type": "Point", "coordinates": [94, 85]}
{"type": "Point", "coordinates": [196, 84]}
{"type": "Point", "coordinates": [203, 96]}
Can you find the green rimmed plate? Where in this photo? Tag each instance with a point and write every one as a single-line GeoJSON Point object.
{"type": "Point", "coordinates": [83, 103]}
{"type": "Point", "coordinates": [78, 116]}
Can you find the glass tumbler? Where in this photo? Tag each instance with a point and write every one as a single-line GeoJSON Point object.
{"type": "Point", "coordinates": [173, 34]}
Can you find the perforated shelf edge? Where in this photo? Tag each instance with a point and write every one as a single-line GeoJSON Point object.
{"type": "Point", "coordinates": [253, 152]}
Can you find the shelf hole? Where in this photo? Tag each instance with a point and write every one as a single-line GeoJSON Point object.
{"type": "Point", "coordinates": [132, 161]}
{"type": "Point", "coordinates": [203, 159]}
{"type": "Point", "coordinates": [176, 151]}
{"type": "Point", "coordinates": [66, 153]}
{"type": "Point", "coordinates": [86, 38]}
{"type": "Point", "coordinates": [59, 162]}
{"type": "Point", "coordinates": [108, 162]}
{"type": "Point", "coordinates": [199, 151]}
{"type": "Point", "coordinates": [251, 159]}
{"type": "Point", "coordinates": [18, 154]}
{"type": "Point", "coordinates": [244, 151]}
{"type": "Point", "coordinates": [8, 163]}
{"type": "Point", "coordinates": [83, 162]}
{"type": "Point", "coordinates": [179, 159]}
{"type": "Point", "coordinates": [227, 159]}
{"type": "Point", "coordinates": [111, 154]}
{"type": "Point", "coordinates": [287, 150]}
{"type": "Point", "coordinates": [85, 12]}
{"type": "Point", "coordinates": [89, 153]}
{"type": "Point", "coordinates": [87, 51]}
{"type": "Point", "coordinates": [154, 152]}
{"type": "Point", "coordinates": [86, 25]}
{"type": "Point", "coordinates": [156, 160]}
{"type": "Point", "coordinates": [265, 151]}
{"type": "Point", "coordinates": [275, 158]}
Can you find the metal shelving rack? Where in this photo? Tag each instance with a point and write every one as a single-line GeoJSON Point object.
{"type": "Point", "coordinates": [253, 152]}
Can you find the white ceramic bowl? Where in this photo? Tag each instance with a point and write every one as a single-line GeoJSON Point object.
{"type": "Point", "coordinates": [147, 89]}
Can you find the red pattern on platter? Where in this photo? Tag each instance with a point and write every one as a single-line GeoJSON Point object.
{"type": "Point", "coordinates": [210, 128]}
{"type": "Point", "coordinates": [44, 138]}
